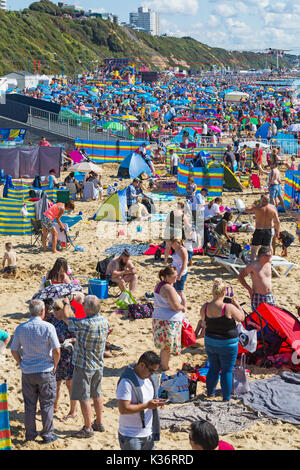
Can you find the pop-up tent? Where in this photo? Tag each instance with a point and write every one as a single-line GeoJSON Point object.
{"type": "Point", "coordinates": [113, 208]}
{"type": "Point", "coordinates": [133, 166]}
{"type": "Point", "coordinates": [279, 332]}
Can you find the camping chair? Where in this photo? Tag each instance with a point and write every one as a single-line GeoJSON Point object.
{"type": "Point", "coordinates": [72, 189]}
{"type": "Point", "coordinates": [101, 270]}
{"type": "Point", "coordinates": [36, 232]}
{"type": "Point", "coordinates": [222, 245]}
{"type": "Point", "coordinates": [240, 210]}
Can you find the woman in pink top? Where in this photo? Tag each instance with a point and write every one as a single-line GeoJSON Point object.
{"type": "Point", "coordinates": [54, 212]}
{"type": "Point", "coordinates": [204, 436]}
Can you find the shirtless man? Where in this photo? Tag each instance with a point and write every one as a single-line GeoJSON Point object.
{"type": "Point", "coordinates": [123, 272]}
{"type": "Point", "coordinates": [266, 219]}
{"type": "Point", "coordinates": [261, 275]}
{"type": "Point", "coordinates": [275, 185]}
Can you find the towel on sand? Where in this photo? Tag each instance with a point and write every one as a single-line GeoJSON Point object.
{"type": "Point", "coordinates": [276, 397]}
{"type": "Point", "coordinates": [227, 417]}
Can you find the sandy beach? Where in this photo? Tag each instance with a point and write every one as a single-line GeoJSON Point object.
{"type": "Point", "coordinates": [135, 337]}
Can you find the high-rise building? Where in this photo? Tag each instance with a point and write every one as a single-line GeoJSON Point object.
{"type": "Point", "coordinates": [146, 20]}
{"type": "Point", "coordinates": [2, 4]}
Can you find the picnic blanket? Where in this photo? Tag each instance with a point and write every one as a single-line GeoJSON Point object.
{"type": "Point", "coordinates": [277, 397]}
{"type": "Point", "coordinates": [5, 439]}
{"type": "Point", "coordinates": [133, 250]}
{"type": "Point", "coordinates": [227, 417]}
{"type": "Point", "coordinates": [161, 196]}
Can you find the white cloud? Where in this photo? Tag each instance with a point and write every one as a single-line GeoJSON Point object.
{"type": "Point", "coordinates": [172, 7]}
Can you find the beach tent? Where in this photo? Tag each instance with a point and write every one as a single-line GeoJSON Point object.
{"type": "Point", "coordinates": [278, 325]}
{"type": "Point", "coordinates": [262, 131]}
{"type": "Point", "coordinates": [113, 208]}
{"type": "Point", "coordinates": [231, 182]}
{"type": "Point", "coordinates": [133, 166]}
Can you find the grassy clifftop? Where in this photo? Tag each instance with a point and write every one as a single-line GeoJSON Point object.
{"type": "Point", "coordinates": [41, 32]}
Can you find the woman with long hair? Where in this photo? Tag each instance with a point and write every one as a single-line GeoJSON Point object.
{"type": "Point", "coordinates": [59, 273]}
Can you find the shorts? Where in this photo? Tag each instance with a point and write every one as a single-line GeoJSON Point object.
{"type": "Point", "coordinates": [287, 243]}
{"type": "Point", "coordinates": [167, 335]}
{"type": "Point", "coordinates": [262, 237]}
{"type": "Point", "coordinates": [86, 384]}
{"type": "Point", "coordinates": [47, 223]}
{"type": "Point", "coordinates": [258, 299]}
{"type": "Point", "coordinates": [179, 285]}
{"type": "Point", "coordinates": [275, 191]}
{"type": "Point", "coordinates": [10, 269]}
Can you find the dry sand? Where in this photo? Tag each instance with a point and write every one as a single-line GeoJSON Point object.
{"type": "Point", "coordinates": [134, 337]}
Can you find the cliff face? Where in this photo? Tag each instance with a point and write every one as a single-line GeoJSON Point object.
{"type": "Point", "coordinates": [44, 33]}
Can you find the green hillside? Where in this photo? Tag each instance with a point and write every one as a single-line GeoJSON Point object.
{"type": "Point", "coordinates": [41, 33]}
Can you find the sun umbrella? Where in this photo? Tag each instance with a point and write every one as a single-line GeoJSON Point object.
{"type": "Point", "coordinates": [56, 291]}
{"type": "Point", "coordinates": [252, 144]}
{"type": "Point", "coordinates": [294, 128]}
{"type": "Point", "coordinates": [86, 167]}
{"type": "Point", "coordinates": [115, 126]}
{"type": "Point", "coordinates": [215, 128]}
{"type": "Point", "coordinates": [129, 118]}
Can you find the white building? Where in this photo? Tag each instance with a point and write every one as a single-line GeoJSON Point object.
{"type": "Point", "coordinates": [146, 20]}
{"type": "Point", "coordinates": [2, 4]}
{"type": "Point", "coordinates": [23, 80]}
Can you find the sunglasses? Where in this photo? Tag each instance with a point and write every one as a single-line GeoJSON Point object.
{"type": "Point", "coordinates": [152, 371]}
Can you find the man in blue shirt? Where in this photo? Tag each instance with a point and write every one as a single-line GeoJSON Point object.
{"type": "Point", "coordinates": [38, 361]}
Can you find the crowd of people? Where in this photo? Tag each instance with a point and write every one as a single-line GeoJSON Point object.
{"type": "Point", "coordinates": [65, 341]}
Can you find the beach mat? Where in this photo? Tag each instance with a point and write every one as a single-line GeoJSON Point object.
{"type": "Point", "coordinates": [227, 417]}
{"type": "Point", "coordinates": [276, 397]}
{"type": "Point", "coordinates": [133, 250]}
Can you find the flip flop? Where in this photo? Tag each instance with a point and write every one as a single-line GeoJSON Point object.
{"type": "Point", "coordinates": [66, 418]}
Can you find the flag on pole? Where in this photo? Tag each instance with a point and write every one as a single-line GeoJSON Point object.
{"type": "Point", "coordinates": [5, 438]}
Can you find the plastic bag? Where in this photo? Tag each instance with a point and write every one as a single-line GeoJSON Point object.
{"type": "Point", "coordinates": [240, 384]}
{"type": "Point", "coordinates": [188, 336]}
{"type": "Point", "coordinates": [177, 387]}
{"type": "Point", "coordinates": [126, 298]}
{"type": "Point", "coordinates": [247, 339]}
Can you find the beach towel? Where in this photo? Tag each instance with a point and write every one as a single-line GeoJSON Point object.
{"type": "Point", "coordinates": [161, 196]}
{"type": "Point", "coordinates": [133, 250]}
{"type": "Point", "coordinates": [227, 417]}
{"type": "Point", "coordinates": [276, 397]}
{"type": "Point", "coordinates": [5, 439]}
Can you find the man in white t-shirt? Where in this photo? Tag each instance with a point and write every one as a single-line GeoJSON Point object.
{"type": "Point", "coordinates": [138, 403]}
{"type": "Point", "coordinates": [173, 162]}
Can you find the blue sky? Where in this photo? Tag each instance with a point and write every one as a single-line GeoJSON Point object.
{"type": "Point", "coordinates": [232, 24]}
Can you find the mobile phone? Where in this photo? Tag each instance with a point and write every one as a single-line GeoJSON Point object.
{"type": "Point", "coordinates": [227, 300]}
